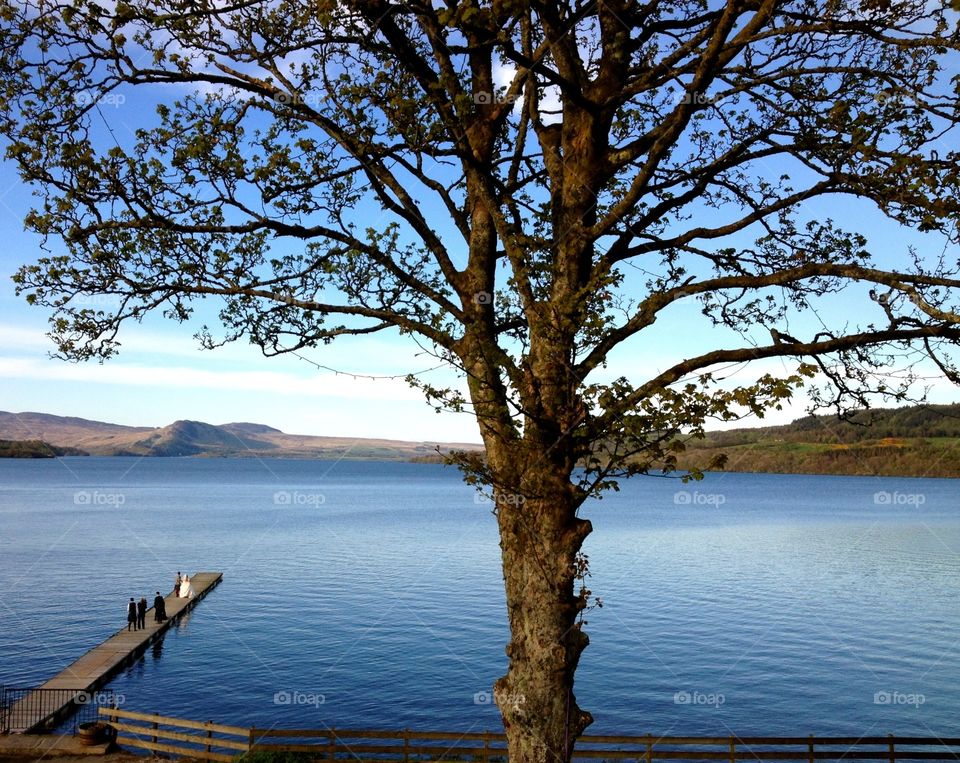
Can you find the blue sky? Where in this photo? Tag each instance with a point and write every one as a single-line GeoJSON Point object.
{"type": "Point", "coordinates": [161, 375]}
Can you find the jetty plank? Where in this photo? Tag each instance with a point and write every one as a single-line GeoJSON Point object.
{"type": "Point", "coordinates": [95, 668]}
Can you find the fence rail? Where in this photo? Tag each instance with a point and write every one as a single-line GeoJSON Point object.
{"type": "Point", "coordinates": [219, 742]}
{"type": "Point", "coordinates": [20, 707]}
{"type": "Point", "coordinates": [158, 733]}
{"type": "Point", "coordinates": [413, 746]}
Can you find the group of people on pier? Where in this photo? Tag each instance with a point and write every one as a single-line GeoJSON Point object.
{"type": "Point", "coordinates": [137, 610]}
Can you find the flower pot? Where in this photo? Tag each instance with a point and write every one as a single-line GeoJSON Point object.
{"type": "Point", "coordinates": [94, 733]}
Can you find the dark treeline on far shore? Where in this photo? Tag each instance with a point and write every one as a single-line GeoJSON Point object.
{"type": "Point", "coordinates": [915, 441]}
{"type": "Point", "coordinates": [35, 449]}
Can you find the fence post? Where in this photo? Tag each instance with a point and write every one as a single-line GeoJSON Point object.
{"type": "Point", "coordinates": [893, 753]}
{"type": "Point", "coordinates": [649, 749]}
{"type": "Point", "coordinates": [209, 736]}
{"type": "Point", "coordinates": [486, 747]}
{"type": "Point", "coordinates": [733, 750]}
{"type": "Point", "coordinates": [406, 745]}
{"type": "Point", "coordinates": [155, 726]}
{"type": "Point", "coordinates": [250, 737]}
{"type": "Point", "coordinates": [332, 744]}
{"type": "Point", "coordinates": [810, 749]}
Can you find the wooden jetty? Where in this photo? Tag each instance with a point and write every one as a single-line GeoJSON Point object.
{"type": "Point", "coordinates": [100, 664]}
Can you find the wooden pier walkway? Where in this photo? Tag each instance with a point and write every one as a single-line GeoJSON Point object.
{"type": "Point", "coordinates": [100, 664]}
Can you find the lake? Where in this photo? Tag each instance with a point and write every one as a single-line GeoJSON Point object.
{"type": "Point", "coordinates": [369, 595]}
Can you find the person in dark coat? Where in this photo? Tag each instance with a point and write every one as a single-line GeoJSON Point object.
{"type": "Point", "coordinates": [159, 608]}
{"type": "Point", "coordinates": [176, 585]}
{"type": "Point", "coordinates": [142, 612]}
{"type": "Point", "coordinates": [132, 614]}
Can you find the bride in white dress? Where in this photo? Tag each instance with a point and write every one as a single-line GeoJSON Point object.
{"type": "Point", "coordinates": [186, 588]}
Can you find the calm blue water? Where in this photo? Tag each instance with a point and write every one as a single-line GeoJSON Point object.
{"type": "Point", "coordinates": [370, 593]}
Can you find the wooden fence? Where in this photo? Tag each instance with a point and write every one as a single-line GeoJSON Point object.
{"type": "Point", "coordinates": [222, 743]}
{"type": "Point", "coordinates": [157, 732]}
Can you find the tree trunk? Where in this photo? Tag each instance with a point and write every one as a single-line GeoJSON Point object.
{"type": "Point", "coordinates": [540, 538]}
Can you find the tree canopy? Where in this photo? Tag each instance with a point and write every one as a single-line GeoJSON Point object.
{"type": "Point", "coordinates": [526, 187]}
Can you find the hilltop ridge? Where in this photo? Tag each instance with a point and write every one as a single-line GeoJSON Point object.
{"type": "Point", "coordinates": [916, 441]}
{"type": "Point", "coordinates": [197, 438]}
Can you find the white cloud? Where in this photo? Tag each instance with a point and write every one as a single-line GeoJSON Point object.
{"type": "Point", "coordinates": [314, 385]}
{"type": "Point", "coordinates": [373, 356]}
{"type": "Point", "coordinates": [17, 338]}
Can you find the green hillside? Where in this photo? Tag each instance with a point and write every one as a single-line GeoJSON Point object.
{"type": "Point", "coordinates": [919, 441]}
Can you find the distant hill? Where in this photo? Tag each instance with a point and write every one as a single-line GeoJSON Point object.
{"type": "Point", "coordinates": [916, 441]}
{"type": "Point", "coordinates": [913, 421]}
{"type": "Point", "coordinates": [245, 428]}
{"type": "Point", "coordinates": [919, 441]}
{"type": "Point", "coordinates": [196, 438]}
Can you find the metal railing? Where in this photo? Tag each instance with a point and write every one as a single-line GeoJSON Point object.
{"type": "Point", "coordinates": [25, 709]}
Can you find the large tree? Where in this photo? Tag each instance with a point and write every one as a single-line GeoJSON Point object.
{"type": "Point", "coordinates": [547, 180]}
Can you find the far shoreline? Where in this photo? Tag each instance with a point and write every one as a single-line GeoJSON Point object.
{"type": "Point", "coordinates": [677, 475]}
